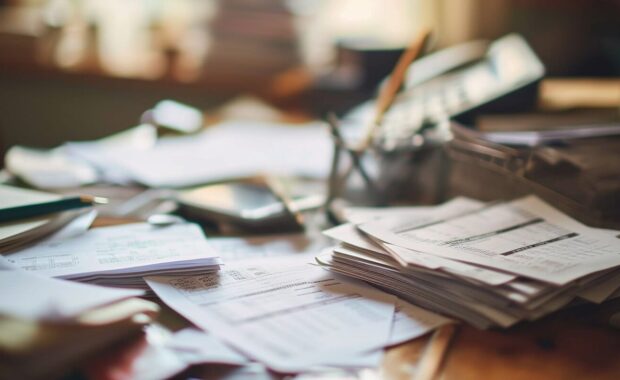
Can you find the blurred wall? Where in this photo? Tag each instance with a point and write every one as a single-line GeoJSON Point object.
{"type": "Point", "coordinates": [44, 112]}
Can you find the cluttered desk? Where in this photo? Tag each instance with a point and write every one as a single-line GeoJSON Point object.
{"type": "Point", "coordinates": [234, 251]}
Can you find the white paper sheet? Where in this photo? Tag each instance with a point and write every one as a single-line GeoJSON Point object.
{"type": "Point", "coordinates": [194, 346]}
{"type": "Point", "coordinates": [456, 268]}
{"type": "Point", "coordinates": [74, 228]}
{"type": "Point", "coordinates": [411, 322]}
{"type": "Point", "coordinates": [29, 296]}
{"type": "Point", "coordinates": [120, 249]}
{"type": "Point", "coordinates": [358, 215]}
{"type": "Point", "coordinates": [601, 290]}
{"type": "Point", "coordinates": [48, 169]}
{"type": "Point", "coordinates": [291, 318]}
{"type": "Point", "coordinates": [229, 150]}
{"type": "Point", "coordinates": [298, 246]}
{"type": "Point", "coordinates": [525, 237]}
{"type": "Point", "coordinates": [349, 234]}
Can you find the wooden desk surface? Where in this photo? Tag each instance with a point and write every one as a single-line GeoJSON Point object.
{"type": "Point", "coordinates": [578, 343]}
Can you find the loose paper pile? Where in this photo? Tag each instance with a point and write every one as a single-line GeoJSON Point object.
{"type": "Point", "coordinates": [490, 265]}
{"type": "Point", "coordinates": [292, 316]}
{"type": "Point", "coordinates": [14, 234]}
{"type": "Point", "coordinates": [231, 149]}
{"type": "Point", "coordinates": [36, 298]}
{"type": "Point", "coordinates": [121, 255]}
{"type": "Point", "coordinates": [49, 326]}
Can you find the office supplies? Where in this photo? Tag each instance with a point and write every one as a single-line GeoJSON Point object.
{"type": "Point", "coordinates": [533, 138]}
{"type": "Point", "coordinates": [393, 85]}
{"type": "Point", "coordinates": [121, 255]}
{"type": "Point", "coordinates": [502, 76]}
{"type": "Point", "coordinates": [16, 196]}
{"type": "Point", "coordinates": [8, 214]}
{"type": "Point", "coordinates": [406, 147]}
{"type": "Point", "coordinates": [18, 233]}
{"type": "Point", "coordinates": [336, 180]}
{"type": "Point", "coordinates": [384, 101]}
{"type": "Point", "coordinates": [518, 260]}
{"type": "Point", "coordinates": [291, 318]}
{"type": "Point", "coordinates": [578, 176]}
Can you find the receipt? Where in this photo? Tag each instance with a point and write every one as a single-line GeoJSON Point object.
{"type": "Point", "coordinates": [119, 249]}
{"type": "Point", "coordinates": [525, 237]}
{"type": "Point", "coordinates": [291, 317]}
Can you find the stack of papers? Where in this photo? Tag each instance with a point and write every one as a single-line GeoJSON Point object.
{"type": "Point", "coordinates": [31, 297]}
{"type": "Point", "coordinates": [14, 234]}
{"type": "Point", "coordinates": [490, 265]}
{"type": "Point", "coordinates": [293, 316]}
{"type": "Point", "coordinates": [121, 255]}
{"type": "Point", "coordinates": [48, 326]}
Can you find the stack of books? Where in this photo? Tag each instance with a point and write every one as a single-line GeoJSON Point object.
{"type": "Point", "coordinates": [488, 264]}
{"type": "Point", "coordinates": [252, 41]}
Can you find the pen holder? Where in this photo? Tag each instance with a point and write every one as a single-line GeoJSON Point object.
{"type": "Point", "coordinates": [416, 173]}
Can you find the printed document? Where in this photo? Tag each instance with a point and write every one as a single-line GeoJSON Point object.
{"type": "Point", "coordinates": [525, 237]}
{"type": "Point", "coordinates": [290, 317]}
{"type": "Point", "coordinates": [119, 249]}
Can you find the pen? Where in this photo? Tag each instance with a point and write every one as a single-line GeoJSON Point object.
{"type": "Point", "coordinates": [36, 209]}
{"type": "Point", "coordinates": [395, 81]}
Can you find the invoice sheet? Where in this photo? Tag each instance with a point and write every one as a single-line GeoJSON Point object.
{"type": "Point", "coordinates": [349, 234]}
{"type": "Point", "coordinates": [289, 317]}
{"type": "Point", "coordinates": [525, 237]}
{"type": "Point", "coordinates": [456, 268]}
{"type": "Point", "coordinates": [118, 249]}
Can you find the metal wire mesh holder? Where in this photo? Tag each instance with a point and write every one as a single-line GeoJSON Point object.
{"type": "Point", "coordinates": [337, 181]}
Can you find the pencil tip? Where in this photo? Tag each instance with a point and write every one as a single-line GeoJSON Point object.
{"type": "Point", "coordinates": [100, 200]}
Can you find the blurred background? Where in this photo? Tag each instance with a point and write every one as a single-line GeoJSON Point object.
{"type": "Point", "coordinates": [82, 69]}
